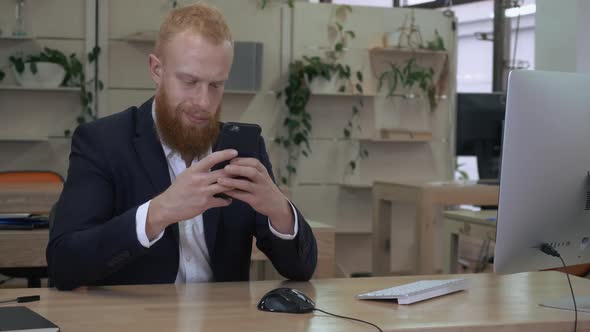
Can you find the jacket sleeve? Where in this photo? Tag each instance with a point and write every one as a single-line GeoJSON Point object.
{"type": "Point", "coordinates": [294, 259]}
{"type": "Point", "coordinates": [87, 242]}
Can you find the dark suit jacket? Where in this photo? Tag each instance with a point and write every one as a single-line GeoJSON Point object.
{"type": "Point", "coordinates": [117, 164]}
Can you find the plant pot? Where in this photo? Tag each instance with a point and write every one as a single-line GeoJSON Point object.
{"type": "Point", "coordinates": [49, 75]}
{"type": "Point", "coordinates": [399, 113]}
{"type": "Point", "coordinates": [320, 85]}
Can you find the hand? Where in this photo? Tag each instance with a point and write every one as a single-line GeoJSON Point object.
{"type": "Point", "coordinates": [190, 194]}
{"type": "Point", "coordinates": [259, 191]}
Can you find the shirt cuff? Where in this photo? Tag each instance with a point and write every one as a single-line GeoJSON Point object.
{"type": "Point", "coordinates": [295, 227]}
{"type": "Point", "coordinates": [140, 220]}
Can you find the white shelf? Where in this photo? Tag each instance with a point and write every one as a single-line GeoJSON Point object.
{"type": "Point", "coordinates": [23, 139]}
{"type": "Point", "coordinates": [343, 94]}
{"type": "Point", "coordinates": [356, 186]}
{"type": "Point", "coordinates": [9, 37]}
{"type": "Point", "coordinates": [400, 135]}
{"type": "Point", "coordinates": [22, 88]}
{"type": "Point", "coordinates": [352, 231]}
{"type": "Point", "coordinates": [148, 36]}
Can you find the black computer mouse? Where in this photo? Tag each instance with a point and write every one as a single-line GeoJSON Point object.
{"type": "Point", "coordinates": [287, 300]}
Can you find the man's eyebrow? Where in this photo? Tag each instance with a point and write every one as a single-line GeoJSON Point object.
{"type": "Point", "coordinates": [197, 78]}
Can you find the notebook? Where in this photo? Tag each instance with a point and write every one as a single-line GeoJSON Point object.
{"type": "Point", "coordinates": [20, 319]}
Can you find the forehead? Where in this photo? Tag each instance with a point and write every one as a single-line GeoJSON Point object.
{"type": "Point", "coordinates": [188, 51]}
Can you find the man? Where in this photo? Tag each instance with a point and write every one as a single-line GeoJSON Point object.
{"type": "Point", "coordinates": [138, 206]}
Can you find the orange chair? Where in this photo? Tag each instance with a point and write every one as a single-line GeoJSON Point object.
{"type": "Point", "coordinates": [30, 176]}
{"type": "Point", "coordinates": [32, 274]}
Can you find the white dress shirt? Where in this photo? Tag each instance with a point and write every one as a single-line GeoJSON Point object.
{"type": "Point", "coordinates": [194, 262]}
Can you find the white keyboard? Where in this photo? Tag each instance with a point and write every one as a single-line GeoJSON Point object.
{"type": "Point", "coordinates": [417, 291]}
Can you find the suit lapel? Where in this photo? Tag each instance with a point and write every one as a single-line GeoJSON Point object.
{"type": "Point", "coordinates": [150, 153]}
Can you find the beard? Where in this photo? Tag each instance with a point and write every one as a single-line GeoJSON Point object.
{"type": "Point", "coordinates": [189, 141]}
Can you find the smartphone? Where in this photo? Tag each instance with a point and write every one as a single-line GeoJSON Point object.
{"type": "Point", "coordinates": [242, 137]}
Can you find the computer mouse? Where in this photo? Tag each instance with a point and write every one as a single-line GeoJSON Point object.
{"type": "Point", "coordinates": [287, 300]}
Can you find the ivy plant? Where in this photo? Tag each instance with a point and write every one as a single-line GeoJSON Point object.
{"type": "Point", "coordinates": [408, 76]}
{"type": "Point", "coordinates": [297, 93]}
{"type": "Point", "coordinates": [75, 76]}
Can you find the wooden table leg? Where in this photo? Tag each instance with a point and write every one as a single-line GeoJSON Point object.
{"type": "Point", "coordinates": [381, 237]}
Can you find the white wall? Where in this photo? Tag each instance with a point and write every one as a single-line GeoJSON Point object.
{"type": "Point", "coordinates": [556, 26]}
{"type": "Point", "coordinates": [562, 34]}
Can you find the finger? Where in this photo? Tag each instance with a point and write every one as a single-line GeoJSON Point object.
{"type": "Point", "coordinates": [213, 159]}
{"type": "Point", "coordinates": [246, 171]}
{"type": "Point", "coordinates": [214, 175]}
{"type": "Point", "coordinates": [219, 202]}
{"type": "Point", "coordinates": [243, 196]}
{"type": "Point", "coordinates": [243, 185]}
{"type": "Point", "coordinates": [216, 189]}
{"type": "Point", "coordinates": [252, 162]}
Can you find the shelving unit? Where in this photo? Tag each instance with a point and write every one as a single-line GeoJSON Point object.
{"type": "Point", "coordinates": [8, 37]}
{"type": "Point", "coordinates": [398, 135]}
{"type": "Point", "coordinates": [23, 139]}
{"type": "Point", "coordinates": [148, 36]}
{"type": "Point", "coordinates": [22, 88]}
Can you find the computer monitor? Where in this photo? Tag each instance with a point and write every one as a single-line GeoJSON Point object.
{"type": "Point", "coordinates": [480, 118]}
{"type": "Point", "coordinates": [545, 181]}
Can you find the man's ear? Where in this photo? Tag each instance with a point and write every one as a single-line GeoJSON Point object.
{"type": "Point", "coordinates": [155, 68]}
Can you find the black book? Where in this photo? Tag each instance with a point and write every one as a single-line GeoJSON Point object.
{"type": "Point", "coordinates": [17, 319]}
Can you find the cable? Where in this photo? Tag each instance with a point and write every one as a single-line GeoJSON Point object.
{"type": "Point", "coordinates": [516, 38]}
{"type": "Point", "coordinates": [549, 250]}
{"type": "Point", "coordinates": [345, 317]}
{"type": "Point", "coordinates": [23, 299]}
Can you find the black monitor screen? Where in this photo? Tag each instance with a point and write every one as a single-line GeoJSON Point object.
{"type": "Point", "coordinates": [480, 118]}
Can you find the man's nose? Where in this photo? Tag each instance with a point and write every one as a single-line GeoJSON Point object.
{"type": "Point", "coordinates": [200, 96]}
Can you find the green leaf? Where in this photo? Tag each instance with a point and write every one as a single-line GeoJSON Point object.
{"type": "Point", "coordinates": [304, 153]}
{"type": "Point", "coordinates": [277, 140]}
{"type": "Point", "coordinates": [284, 180]}
{"type": "Point", "coordinates": [340, 27]}
{"type": "Point", "coordinates": [352, 165]}
{"type": "Point", "coordinates": [359, 88]}
{"type": "Point", "coordinates": [80, 119]}
{"type": "Point", "coordinates": [365, 153]}
{"type": "Point", "coordinates": [341, 89]}
{"type": "Point", "coordinates": [339, 47]}
{"type": "Point", "coordinates": [359, 76]}
{"type": "Point", "coordinates": [355, 110]}
{"type": "Point", "coordinates": [100, 85]}
{"type": "Point", "coordinates": [33, 66]}
{"type": "Point", "coordinates": [351, 34]}
{"type": "Point", "coordinates": [346, 133]}
{"type": "Point", "coordinates": [67, 133]}
{"type": "Point", "coordinates": [2, 75]}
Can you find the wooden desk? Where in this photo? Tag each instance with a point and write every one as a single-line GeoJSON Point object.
{"type": "Point", "coordinates": [28, 197]}
{"type": "Point", "coordinates": [423, 254]}
{"type": "Point", "coordinates": [27, 249]}
{"type": "Point", "coordinates": [493, 303]}
{"type": "Point", "coordinates": [477, 224]}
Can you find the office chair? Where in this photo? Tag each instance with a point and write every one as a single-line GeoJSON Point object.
{"type": "Point", "coordinates": [32, 274]}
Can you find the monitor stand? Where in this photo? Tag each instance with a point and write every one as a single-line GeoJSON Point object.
{"type": "Point", "coordinates": [489, 182]}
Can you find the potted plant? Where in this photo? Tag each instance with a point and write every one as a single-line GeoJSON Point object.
{"type": "Point", "coordinates": [52, 68]}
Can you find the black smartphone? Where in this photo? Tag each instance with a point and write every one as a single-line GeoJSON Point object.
{"type": "Point", "coordinates": [243, 137]}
